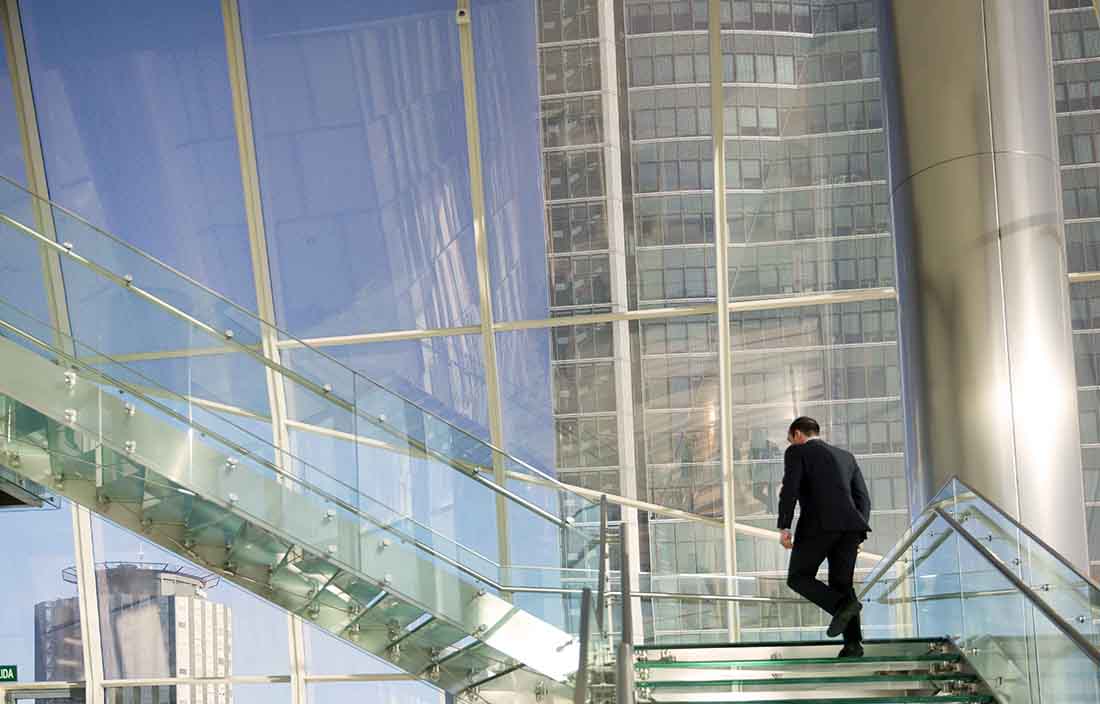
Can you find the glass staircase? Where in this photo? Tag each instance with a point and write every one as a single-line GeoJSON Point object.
{"type": "Point", "coordinates": [146, 399]}
{"type": "Point", "coordinates": [799, 671]}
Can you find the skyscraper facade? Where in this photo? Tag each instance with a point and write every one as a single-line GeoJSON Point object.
{"type": "Point", "coordinates": [157, 623]}
{"type": "Point", "coordinates": [629, 185]}
{"type": "Point", "coordinates": [1075, 45]}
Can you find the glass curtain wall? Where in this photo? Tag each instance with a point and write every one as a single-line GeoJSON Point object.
{"type": "Point", "coordinates": [807, 213]}
{"type": "Point", "coordinates": [1075, 43]}
{"type": "Point", "coordinates": [134, 115]}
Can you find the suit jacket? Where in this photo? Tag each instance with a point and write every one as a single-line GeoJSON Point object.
{"type": "Point", "coordinates": [826, 482]}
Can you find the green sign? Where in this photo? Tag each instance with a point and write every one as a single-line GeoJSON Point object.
{"type": "Point", "coordinates": [9, 673]}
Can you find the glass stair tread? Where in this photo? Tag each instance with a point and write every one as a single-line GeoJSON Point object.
{"type": "Point", "coordinates": [892, 699]}
{"type": "Point", "coordinates": [472, 662]}
{"type": "Point", "coordinates": [817, 679]}
{"type": "Point", "coordinates": [786, 643]}
{"type": "Point", "coordinates": [788, 662]}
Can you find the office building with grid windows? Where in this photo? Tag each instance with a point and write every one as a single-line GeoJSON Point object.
{"type": "Point", "coordinates": [626, 129]}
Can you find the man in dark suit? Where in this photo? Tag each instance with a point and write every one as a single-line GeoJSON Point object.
{"type": "Point", "coordinates": [826, 482]}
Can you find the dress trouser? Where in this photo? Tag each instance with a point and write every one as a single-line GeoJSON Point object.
{"type": "Point", "coordinates": [840, 549]}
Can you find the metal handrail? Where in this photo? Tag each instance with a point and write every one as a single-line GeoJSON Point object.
{"type": "Point", "coordinates": [625, 586]}
{"type": "Point", "coordinates": [892, 557]}
{"type": "Point", "coordinates": [934, 511]}
{"type": "Point", "coordinates": [1026, 531]}
{"type": "Point", "coordinates": [915, 562]}
{"type": "Point", "coordinates": [580, 687]}
{"type": "Point", "coordinates": [1038, 560]}
{"type": "Point", "coordinates": [601, 587]}
{"type": "Point", "coordinates": [474, 475]}
{"type": "Point", "coordinates": [624, 658]}
{"type": "Point", "coordinates": [630, 594]}
{"type": "Point", "coordinates": [1064, 626]}
{"type": "Point", "coordinates": [740, 598]}
{"type": "Point", "coordinates": [255, 351]}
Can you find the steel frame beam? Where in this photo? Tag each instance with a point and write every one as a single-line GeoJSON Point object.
{"type": "Point", "coordinates": [261, 277]}
{"type": "Point", "coordinates": [721, 258]}
{"type": "Point", "coordinates": [257, 237]}
{"type": "Point", "coordinates": [620, 296]}
{"type": "Point", "coordinates": [297, 641]}
{"type": "Point", "coordinates": [34, 161]}
{"type": "Point", "coordinates": [464, 19]}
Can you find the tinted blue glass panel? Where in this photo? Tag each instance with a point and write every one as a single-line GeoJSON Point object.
{"type": "Point", "coordinates": [328, 655]}
{"type": "Point", "coordinates": [136, 120]}
{"type": "Point", "coordinates": [12, 164]}
{"type": "Point", "coordinates": [361, 145]}
{"type": "Point", "coordinates": [21, 277]}
{"type": "Point", "coordinates": [508, 114]}
{"type": "Point", "coordinates": [523, 361]}
{"type": "Point", "coordinates": [444, 375]}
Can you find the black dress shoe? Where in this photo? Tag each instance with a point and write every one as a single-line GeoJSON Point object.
{"type": "Point", "coordinates": [851, 650]}
{"type": "Point", "coordinates": [848, 610]}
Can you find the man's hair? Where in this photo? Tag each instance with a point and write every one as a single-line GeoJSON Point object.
{"type": "Point", "coordinates": [805, 424]}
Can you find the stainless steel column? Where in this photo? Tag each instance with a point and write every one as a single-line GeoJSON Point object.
{"type": "Point", "coordinates": [986, 352]}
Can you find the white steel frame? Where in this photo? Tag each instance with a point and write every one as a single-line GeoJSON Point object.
{"type": "Point", "coordinates": [721, 257]}
{"type": "Point", "coordinates": [620, 302]}
{"type": "Point", "coordinates": [253, 207]}
{"type": "Point", "coordinates": [261, 277]}
{"type": "Point", "coordinates": [87, 585]}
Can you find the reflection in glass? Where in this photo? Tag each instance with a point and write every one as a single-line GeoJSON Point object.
{"type": "Point", "coordinates": [362, 161]}
{"type": "Point", "coordinates": [527, 379]}
{"type": "Point", "coordinates": [505, 47]}
{"type": "Point", "coordinates": [139, 134]}
{"type": "Point", "coordinates": [679, 364]}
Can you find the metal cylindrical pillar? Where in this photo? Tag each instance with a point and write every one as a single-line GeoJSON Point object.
{"type": "Point", "coordinates": [987, 357]}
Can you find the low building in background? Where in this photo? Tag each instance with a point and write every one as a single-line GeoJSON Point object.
{"type": "Point", "coordinates": [156, 621]}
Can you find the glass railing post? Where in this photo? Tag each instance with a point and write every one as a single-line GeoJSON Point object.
{"type": "Point", "coordinates": [624, 680]}
{"type": "Point", "coordinates": [580, 690]}
{"type": "Point", "coordinates": [601, 594]}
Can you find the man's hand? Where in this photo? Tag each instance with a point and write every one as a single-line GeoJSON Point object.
{"type": "Point", "coordinates": [786, 539]}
